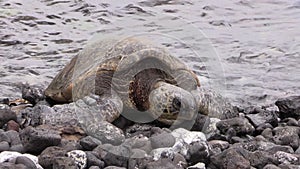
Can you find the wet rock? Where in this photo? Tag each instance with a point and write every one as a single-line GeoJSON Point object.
{"type": "Point", "coordinates": [164, 163]}
{"type": "Point", "coordinates": [162, 140]}
{"type": "Point", "coordinates": [89, 143]}
{"type": "Point", "coordinates": [197, 152]}
{"type": "Point", "coordinates": [93, 160]}
{"type": "Point", "coordinates": [231, 158]}
{"type": "Point", "coordinates": [239, 124]}
{"type": "Point", "coordinates": [12, 125]}
{"type": "Point", "coordinates": [289, 107]}
{"type": "Point", "coordinates": [287, 158]}
{"type": "Point", "coordinates": [33, 94]}
{"type": "Point", "coordinates": [288, 166]}
{"type": "Point", "coordinates": [262, 117]}
{"type": "Point", "coordinates": [36, 140]}
{"type": "Point", "coordinates": [288, 135]}
{"type": "Point", "coordinates": [64, 163]}
{"type": "Point", "coordinates": [6, 115]}
{"type": "Point", "coordinates": [79, 157]}
{"type": "Point", "coordinates": [197, 166]}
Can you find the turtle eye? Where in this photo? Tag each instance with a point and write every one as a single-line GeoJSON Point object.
{"type": "Point", "coordinates": [176, 103]}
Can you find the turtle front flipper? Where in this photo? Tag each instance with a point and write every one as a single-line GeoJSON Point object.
{"type": "Point", "coordinates": [95, 114]}
{"type": "Point", "coordinates": [213, 104]}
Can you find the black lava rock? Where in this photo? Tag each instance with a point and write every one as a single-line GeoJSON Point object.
{"type": "Point", "coordinates": [33, 94]}
{"type": "Point", "coordinates": [197, 152]}
{"type": "Point", "coordinates": [231, 158]}
{"type": "Point", "coordinates": [113, 155]}
{"type": "Point", "coordinates": [89, 143]}
{"type": "Point", "coordinates": [164, 163]}
{"type": "Point", "coordinates": [36, 140]}
{"type": "Point", "coordinates": [264, 116]}
{"type": "Point", "coordinates": [289, 107]}
{"type": "Point", "coordinates": [288, 135]}
{"type": "Point", "coordinates": [93, 160]}
{"type": "Point", "coordinates": [6, 115]}
{"type": "Point", "coordinates": [239, 124]}
{"type": "Point", "coordinates": [47, 157]}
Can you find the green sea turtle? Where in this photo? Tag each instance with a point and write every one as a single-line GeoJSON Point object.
{"type": "Point", "coordinates": [134, 76]}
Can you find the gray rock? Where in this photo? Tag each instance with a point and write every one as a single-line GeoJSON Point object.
{"type": "Point", "coordinates": [108, 133]}
{"type": "Point", "coordinates": [47, 157]}
{"type": "Point", "coordinates": [139, 142]}
{"type": "Point", "coordinates": [64, 163]}
{"type": "Point", "coordinates": [239, 124]}
{"type": "Point", "coordinates": [18, 148]}
{"type": "Point", "coordinates": [14, 137]}
{"type": "Point", "coordinates": [4, 146]}
{"type": "Point", "coordinates": [164, 163]}
{"type": "Point", "coordinates": [25, 161]}
{"type": "Point", "coordinates": [262, 117]}
{"type": "Point", "coordinates": [287, 158]}
{"type": "Point", "coordinates": [197, 152]}
{"type": "Point", "coordinates": [113, 155]}
{"type": "Point", "coordinates": [288, 135]}
{"type": "Point", "coordinates": [6, 115]}
{"type": "Point", "coordinates": [8, 165]}
{"type": "Point", "coordinates": [70, 145]}
{"type": "Point", "coordinates": [95, 167]}
{"type": "Point", "coordinates": [271, 166]}
{"type": "Point", "coordinates": [114, 167]}
{"type": "Point", "coordinates": [93, 160]}
{"type": "Point", "coordinates": [259, 159]}
{"type": "Point", "coordinates": [36, 140]}
{"type": "Point", "coordinates": [139, 159]}
{"type": "Point", "coordinates": [4, 136]}
{"type": "Point", "coordinates": [89, 143]}
{"type": "Point", "coordinates": [162, 140]}
{"type": "Point", "coordinates": [231, 158]}
{"type": "Point", "coordinates": [289, 107]}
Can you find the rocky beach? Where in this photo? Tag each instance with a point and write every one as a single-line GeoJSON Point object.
{"type": "Point", "coordinates": [257, 138]}
{"type": "Point", "coordinates": [247, 51]}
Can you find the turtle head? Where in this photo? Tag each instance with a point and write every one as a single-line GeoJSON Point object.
{"type": "Point", "coordinates": [169, 103]}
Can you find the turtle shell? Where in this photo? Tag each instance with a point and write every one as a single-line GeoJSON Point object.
{"type": "Point", "coordinates": [126, 65]}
